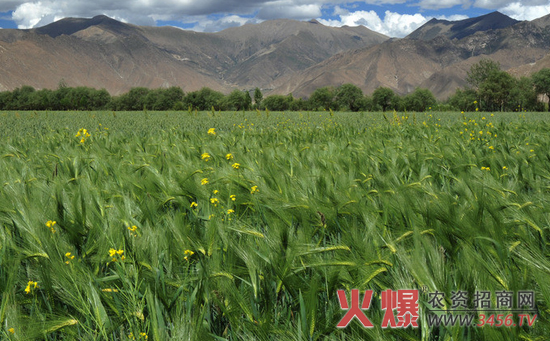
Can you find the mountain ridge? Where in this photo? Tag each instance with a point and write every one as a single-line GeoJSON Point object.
{"type": "Point", "coordinates": [279, 56]}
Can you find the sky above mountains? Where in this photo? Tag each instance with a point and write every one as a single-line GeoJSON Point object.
{"type": "Point", "coordinates": [395, 18]}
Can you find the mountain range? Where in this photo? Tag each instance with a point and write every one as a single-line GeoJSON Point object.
{"type": "Point", "coordinates": [278, 56]}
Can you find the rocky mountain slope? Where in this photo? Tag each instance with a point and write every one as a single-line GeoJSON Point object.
{"type": "Point", "coordinates": [438, 63]}
{"type": "Point", "coordinates": [102, 52]}
{"type": "Point", "coordinates": [278, 56]}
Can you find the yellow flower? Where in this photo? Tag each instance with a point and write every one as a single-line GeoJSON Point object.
{"type": "Point", "coordinates": [51, 224]}
{"type": "Point", "coordinates": [144, 335]}
{"type": "Point", "coordinates": [504, 168]}
{"type": "Point", "coordinates": [205, 156]}
{"type": "Point", "coordinates": [112, 252]}
{"type": "Point", "coordinates": [254, 189]}
{"type": "Point", "coordinates": [69, 256]}
{"type": "Point", "coordinates": [236, 165]}
{"type": "Point", "coordinates": [229, 211]}
{"type": "Point", "coordinates": [215, 191]}
{"type": "Point", "coordinates": [204, 181]}
{"type": "Point", "coordinates": [132, 228]}
{"type": "Point", "coordinates": [532, 150]}
{"type": "Point", "coordinates": [475, 102]}
{"type": "Point", "coordinates": [214, 201]}
{"type": "Point", "coordinates": [194, 204]}
{"type": "Point", "coordinates": [212, 131]}
{"type": "Point", "coordinates": [233, 197]}
{"type": "Point", "coordinates": [29, 285]}
{"type": "Point", "coordinates": [188, 253]}
{"type": "Point", "coordinates": [229, 156]}
{"type": "Point", "coordinates": [491, 147]}
{"type": "Point", "coordinates": [11, 330]}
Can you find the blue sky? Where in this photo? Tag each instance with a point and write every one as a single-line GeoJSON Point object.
{"type": "Point", "coordinates": [395, 18]}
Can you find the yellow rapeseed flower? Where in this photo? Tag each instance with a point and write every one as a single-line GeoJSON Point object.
{"type": "Point", "coordinates": [29, 285]}
{"type": "Point", "coordinates": [504, 168]}
{"type": "Point", "coordinates": [229, 156]}
{"type": "Point", "coordinates": [215, 191]}
{"type": "Point", "coordinates": [188, 253]}
{"type": "Point", "coordinates": [205, 156]}
{"type": "Point", "coordinates": [69, 257]}
{"type": "Point", "coordinates": [132, 228]}
{"type": "Point", "coordinates": [236, 165]}
{"type": "Point", "coordinates": [204, 181]}
{"type": "Point", "coordinates": [51, 224]}
{"type": "Point", "coordinates": [229, 211]}
{"type": "Point", "coordinates": [11, 330]}
{"type": "Point", "coordinates": [233, 197]}
{"type": "Point", "coordinates": [212, 131]}
{"type": "Point", "coordinates": [214, 201]}
{"type": "Point", "coordinates": [194, 204]}
{"type": "Point", "coordinates": [254, 189]}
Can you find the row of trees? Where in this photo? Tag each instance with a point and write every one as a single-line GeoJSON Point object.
{"type": "Point", "coordinates": [345, 97]}
{"type": "Point", "coordinates": [490, 89]}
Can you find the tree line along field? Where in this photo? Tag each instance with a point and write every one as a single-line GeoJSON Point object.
{"type": "Point", "coordinates": [489, 89]}
{"type": "Point", "coordinates": [243, 226]}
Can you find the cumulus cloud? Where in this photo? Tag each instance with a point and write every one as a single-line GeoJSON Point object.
{"type": "Point", "coordinates": [519, 11]}
{"type": "Point", "coordinates": [393, 24]}
{"type": "Point", "coordinates": [439, 4]}
{"type": "Point", "coordinates": [210, 25]}
{"type": "Point", "coordinates": [210, 15]}
{"type": "Point", "coordinates": [289, 10]}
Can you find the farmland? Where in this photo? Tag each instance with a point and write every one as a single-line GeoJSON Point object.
{"type": "Point", "coordinates": [243, 225]}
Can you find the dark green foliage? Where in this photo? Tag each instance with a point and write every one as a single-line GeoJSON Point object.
{"type": "Point", "coordinates": [322, 99]}
{"type": "Point", "coordinates": [203, 99]}
{"type": "Point", "coordinates": [385, 98]}
{"type": "Point", "coordinates": [258, 97]}
{"type": "Point", "coordinates": [541, 80]}
{"type": "Point", "coordinates": [419, 100]}
{"type": "Point", "coordinates": [350, 97]}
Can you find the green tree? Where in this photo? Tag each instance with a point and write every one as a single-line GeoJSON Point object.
{"type": "Point", "coordinates": [258, 97]}
{"type": "Point", "coordinates": [384, 98]}
{"type": "Point", "coordinates": [496, 90]}
{"type": "Point", "coordinates": [237, 100]}
{"type": "Point", "coordinates": [480, 72]}
{"type": "Point", "coordinates": [322, 98]}
{"type": "Point", "coordinates": [204, 99]}
{"type": "Point", "coordinates": [419, 100]}
{"type": "Point", "coordinates": [277, 102]}
{"type": "Point", "coordinates": [463, 99]}
{"type": "Point", "coordinates": [541, 80]}
{"type": "Point", "coordinates": [349, 97]}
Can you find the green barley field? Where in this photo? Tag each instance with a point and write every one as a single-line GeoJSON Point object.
{"type": "Point", "coordinates": [243, 226]}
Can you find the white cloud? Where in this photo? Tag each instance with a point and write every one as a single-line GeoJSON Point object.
{"type": "Point", "coordinates": [213, 15]}
{"type": "Point", "coordinates": [439, 4]}
{"type": "Point", "coordinates": [393, 24]}
{"type": "Point", "coordinates": [289, 10]}
{"type": "Point", "coordinates": [519, 11]}
{"type": "Point", "coordinates": [209, 25]}
{"type": "Point", "coordinates": [29, 15]}
{"type": "Point", "coordinates": [454, 17]}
